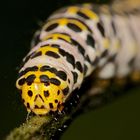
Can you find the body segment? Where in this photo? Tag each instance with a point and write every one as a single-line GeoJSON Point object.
{"type": "Point", "coordinates": [74, 42]}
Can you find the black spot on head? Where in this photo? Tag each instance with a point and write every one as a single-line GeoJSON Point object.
{"type": "Point", "coordinates": [90, 41]}
{"type": "Point", "coordinates": [62, 75]}
{"type": "Point", "coordinates": [55, 81]}
{"type": "Point", "coordinates": [74, 27]}
{"type": "Point", "coordinates": [36, 54]}
{"type": "Point", "coordinates": [28, 105]}
{"type": "Point", "coordinates": [44, 78]}
{"type": "Point", "coordinates": [30, 79]}
{"type": "Point", "coordinates": [42, 107]}
{"type": "Point", "coordinates": [51, 27]}
{"type": "Point", "coordinates": [30, 93]}
{"type": "Point", "coordinates": [21, 81]}
{"type": "Point", "coordinates": [66, 90]}
{"type": "Point", "coordinates": [101, 29]}
{"type": "Point", "coordinates": [36, 107]}
{"type": "Point", "coordinates": [56, 101]}
{"type": "Point", "coordinates": [51, 105]}
{"type": "Point", "coordinates": [58, 92]}
{"type": "Point", "coordinates": [79, 66]}
{"type": "Point", "coordinates": [52, 54]}
{"type": "Point", "coordinates": [75, 76]}
{"type": "Point", "coordinates": [82, 15]}
{"type": "Point", "coordinates": [46, 93]}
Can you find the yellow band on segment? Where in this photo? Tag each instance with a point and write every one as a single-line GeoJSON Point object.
{"type": "Point", "coordinates": [64, 21]}
{"type": "Point", "coordinates": [56, 36]}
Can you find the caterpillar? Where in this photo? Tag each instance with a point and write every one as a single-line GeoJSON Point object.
{"type": "Point", "coordinates": [72, 44]}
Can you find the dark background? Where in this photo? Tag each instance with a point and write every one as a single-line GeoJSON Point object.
{"type": "Point", "coordinates": [18, 21]}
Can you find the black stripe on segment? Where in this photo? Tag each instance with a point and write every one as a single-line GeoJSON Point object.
{"type": "Point", "coordinates": [34, 68]}
{"type": "Point", "coordinates": [74, 27]}
{"type": "Point", "coordinates": [48, 68]}
{"type": "Point", "coordinates": [55, 81]}
{"type": "Point", "coordinates": [113, 27]}
{"type": "Point", "coordinates": [51, 27]}
{"type": "Point", "coordinates": [74, 42]}
{"type": "Point", "coordinates": [44, 78]}
{"type": "Point", "coordinates": [63, 39]}
{"type": "Point", "coordinates": [69, 57]}
{"type": "Point", "coordinates": [52, 54]}
{"type": "Point", "coordinates": [62, 75]}
{"type": "Point", "coordinates": [95, 62]}
{"type": "Point", "coordinates": [65, 90]}
{"type": "Point", "coordinates": [82, 22]}
{"type": "Point", "coordinates": [45, 45]}
{"type": "Point", "coordinates": [85, 69]}
{"type": "Point", "coordinates": [104, 54]}
{"type": "Point", "coordinates": [90, 41]}
{"type": "Point", "coordinates": [36, 38]}
{"type": "Point", "coordinates": [87, 59]}
{"type": "Point", "coordinates": [55, 45]}
{"type": "Point", "coordinates": [30, 79]}
{"type": "Point", "coordinates": [79, 66]}
{"type": "Point", "coordinates": [75, 76]}
{"type": "Point", "coordinates": [81, 14]}
{"type": "Point", "coordinates": [101, 29]}
{"type": "Point", "coordinates": [80, 48]}
{"type": "Point", "coordinates": [44, 68]}
{"type": "Point", "coordinates": [36, 54]}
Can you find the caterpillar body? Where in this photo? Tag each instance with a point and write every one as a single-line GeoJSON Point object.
{"type": "Point", "coordinates": [71, 45]}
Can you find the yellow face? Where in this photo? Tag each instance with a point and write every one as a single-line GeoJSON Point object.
{"type": "Point", "coordinates": [41, 98]}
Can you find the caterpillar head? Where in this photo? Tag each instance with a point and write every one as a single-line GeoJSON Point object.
{"type": "Point", "coordinates": [40, 95]}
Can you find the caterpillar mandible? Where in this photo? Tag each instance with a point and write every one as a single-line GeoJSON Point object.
{"type": "Point", "coordinates": [71, 45]}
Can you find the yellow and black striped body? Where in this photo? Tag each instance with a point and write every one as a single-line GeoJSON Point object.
{"type": "Point", "coordinates": [74, 42]}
